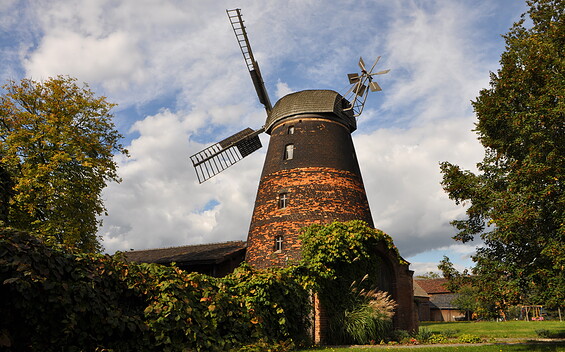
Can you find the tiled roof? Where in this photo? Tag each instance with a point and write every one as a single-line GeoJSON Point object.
{"type": "Point", "coordinates": [193, 254]}
{"type": "Point", "coordinates": [444, 300]}
{"type": "Point", "coordinates": [433, 286]}
{"type": "Point", "coordinates": [419, 291]}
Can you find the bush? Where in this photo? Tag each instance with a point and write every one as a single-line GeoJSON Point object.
{"type": "Point", "coordinates": [437, 338]}
{"type": "Point", "coordinates": [468, 338]}
{"type": "Point", "coordinates": [98, 302]}
{"type": "Point", "coordinates": [547, 334]}
{"type": "Point", "coordinates": [423, 335]}
{"type": "Point", "coordinates": [80, 302]}
{"type": "Point", "coordinates": [450, 333]}
{"type": "Point", "coordinates": [266, 294]}
{"type": "Point", "coordinates": [339, 255]}
{"type": "Point", "coordinates": [401, 336]}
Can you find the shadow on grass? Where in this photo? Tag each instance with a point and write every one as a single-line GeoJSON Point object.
{"type": "Point", "coordinates": [551, 334]}
{"type": "Point", "coordinates": [538, 346]}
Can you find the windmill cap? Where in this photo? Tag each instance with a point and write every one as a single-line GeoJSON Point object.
{"type": "Point", "coordinates": [326, 102]}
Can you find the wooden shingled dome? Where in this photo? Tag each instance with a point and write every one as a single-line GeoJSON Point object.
{"type": "Point", "coordinates": [311, 102]}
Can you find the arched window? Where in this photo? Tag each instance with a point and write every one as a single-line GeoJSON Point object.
{"type": "Point", "coordinates": [289, 151]}
{"type": "Point", "coordinates": [290, 129]}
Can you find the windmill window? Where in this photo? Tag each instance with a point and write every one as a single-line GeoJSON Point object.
{"type": "Point", "coordinates": [283, 200]}
{"type": "Point", "coordinates": [290, 129]}
{"type": "Point", "coordinates": [278, 243]}
{"type": "Point", "coordinates": [289, 152]}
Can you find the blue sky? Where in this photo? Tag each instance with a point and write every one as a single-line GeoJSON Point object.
{"type": "Point", "coordinates": [178, 76]}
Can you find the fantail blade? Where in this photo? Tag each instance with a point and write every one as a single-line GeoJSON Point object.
{"type": "Point", "coordinates": [380, 72]}
{"type": "Point", "coordinates": [353, 78]}
{"type": "Point", "coordinates": [374, 86]}
{"type": "Point", "coordinates": [362, 64]}
{"type": "Point", "coordinates": [360, 89]}
{"type": "Point", "coordinates": [375, 64]}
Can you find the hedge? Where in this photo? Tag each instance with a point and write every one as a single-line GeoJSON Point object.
{"type": "Point", "coordinates": [51, 300]}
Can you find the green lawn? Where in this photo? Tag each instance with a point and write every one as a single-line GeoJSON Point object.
{"type": "Point", "coordinates": [470, 348]}
{"type": "Point", "coordinates": [494, 332]}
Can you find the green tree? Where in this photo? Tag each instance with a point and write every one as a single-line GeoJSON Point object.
{"type": "Point", "coordinates": [466, 300]}
{"type": "Point", "coordinates": [455, 279]}
{"type": "Point", "coordinates": [428, 275]}
{"type": "Point", "coordinates": [57, 142]}
{"type": "Point", "coordinates": [517, 199]}
{"type": "Point", "coordinates": [5, 193]}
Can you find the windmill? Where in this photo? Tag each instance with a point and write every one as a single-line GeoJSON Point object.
{"type": "Point", "coordinates": [221, 155]}
{"type": "Point", "coordinates": [310, 175]}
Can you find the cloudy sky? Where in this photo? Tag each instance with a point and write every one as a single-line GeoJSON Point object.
{"type": "Point", "coordinates": [175, 69]}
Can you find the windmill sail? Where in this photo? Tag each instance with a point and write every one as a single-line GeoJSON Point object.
{"type": "Point", "coordinates": [218, 157]}
{"type": "Point", "coordinates": [239, 29]}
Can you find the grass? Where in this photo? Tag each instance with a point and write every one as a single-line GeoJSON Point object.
{"type": "Point", "coordinates": [490, 331]}
{"type": "Point", "coordinates": [482, 348]}
{"type": "Point", "coordinates": [497, 330]}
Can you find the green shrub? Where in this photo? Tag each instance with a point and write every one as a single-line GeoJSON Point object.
{"type": "Point", "coordinates": [468, 338]}
{"type": "Point", "coordinates": [98, 302]}
{"type": "Point", "coordinates": [266, 346]}
{"type": "Point", "coordinates": [78, 302]}
{"type": "Point", "coordinates": [192, 310]}
{"type": "Point", "coordinates": [543, 333]}
{"type": "Point", "coordinates": [370, 319]}
{"type": "Point", "coordinates": [266, 294]}
{"type": "Point", "coordinates": [401, 336]}
{"type": "Point", "coordinates": [548, 334]}
{"type": "Point", "coordinates": [437, 338]}
{"type": "Point", "coordinates": [450, 333]}
{"type": "Point", "coordinates": [338, 255]}
{"type": "Point", "coordinates": [423, 335]}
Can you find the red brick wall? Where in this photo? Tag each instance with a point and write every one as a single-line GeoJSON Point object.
{"type": "Point", "coordinates": [322, 181]}
{"type": "Point", "coordinates": [315, 195]}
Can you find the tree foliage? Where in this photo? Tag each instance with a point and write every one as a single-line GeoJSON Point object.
{"type": "Point", "coordinates": [517, 198]}
{"type": "Point", "coordinates": [57, 142]}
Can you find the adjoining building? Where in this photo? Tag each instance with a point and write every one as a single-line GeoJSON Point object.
{"type": "Point", "coordinates": [438, 306]}
{"type": "Point", "coordinates": [214, 259]}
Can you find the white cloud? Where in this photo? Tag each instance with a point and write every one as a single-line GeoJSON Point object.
{"type": "Point", "coordinates": [282, 89]}
{"type": "Point", "coordinates": [113, 60]}
{"type": "Point", "coordinates": [183, 55]}
{"type": "Point", "coordinates": [160, 203]}
{"type": "Point", "coordinates": [402, 177]}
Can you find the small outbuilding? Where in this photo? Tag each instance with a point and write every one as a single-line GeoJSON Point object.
{"type": "Point", "coordinates": [214, 259]}
{"type": "Point", "coordinates": [439, 305]}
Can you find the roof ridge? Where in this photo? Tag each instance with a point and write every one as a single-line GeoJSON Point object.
{"type": "Point", "coordinates": [185, 246]}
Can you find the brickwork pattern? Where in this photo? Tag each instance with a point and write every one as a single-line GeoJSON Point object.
{"type": "Point", "coordinates": [315, 195]}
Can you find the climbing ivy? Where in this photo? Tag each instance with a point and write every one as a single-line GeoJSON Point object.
{"type": "Point", "coordinates": [343, 259]}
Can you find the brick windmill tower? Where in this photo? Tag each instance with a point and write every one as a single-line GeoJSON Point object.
{"type": "Point", "coordinates": [311, 173]}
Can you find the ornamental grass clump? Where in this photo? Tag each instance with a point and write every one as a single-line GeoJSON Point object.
{"type": "Point", "coordinates": [370, 317]}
